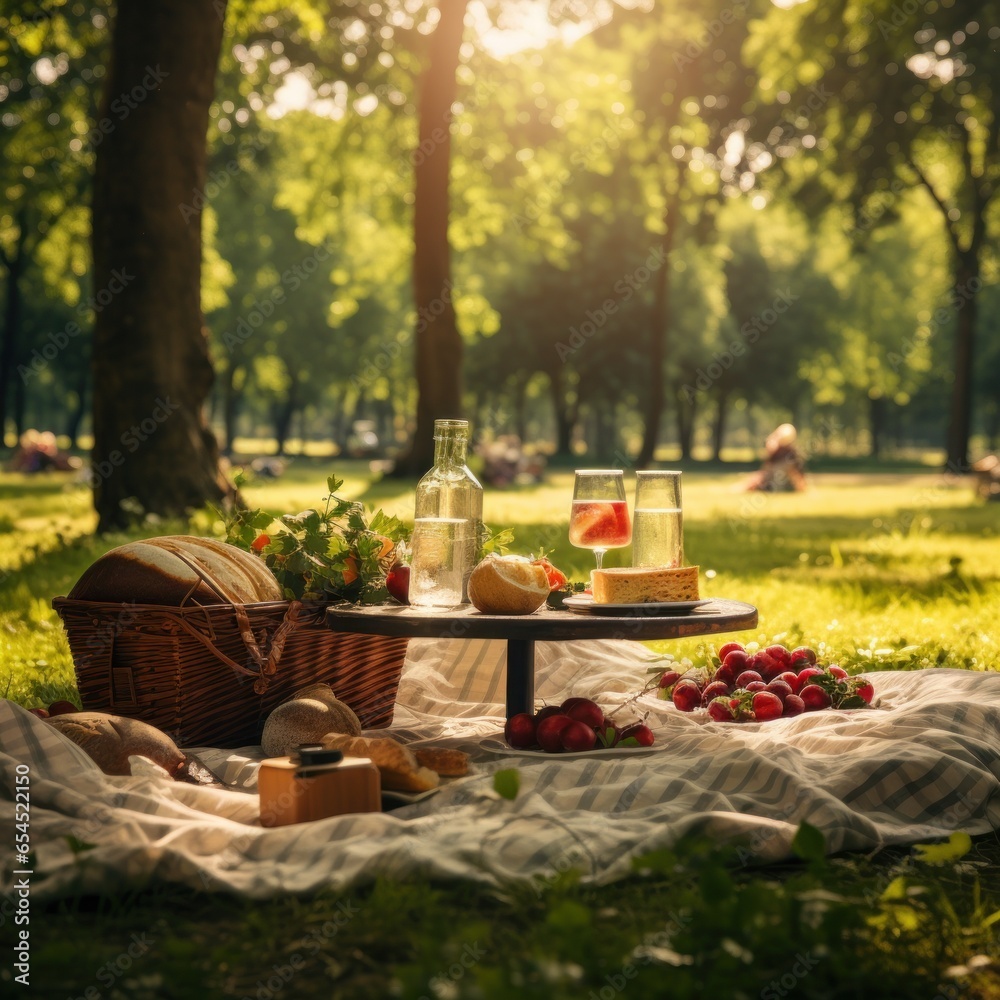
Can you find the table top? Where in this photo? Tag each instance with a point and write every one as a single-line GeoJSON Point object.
{"type": "Point", "coordinates": [544, 625]}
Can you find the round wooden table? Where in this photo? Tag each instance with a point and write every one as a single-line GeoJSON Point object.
{"type": "Point", "coordinates": [521, 632]}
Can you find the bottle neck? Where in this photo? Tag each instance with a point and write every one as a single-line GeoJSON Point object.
{"type": "Point", "coordinates": [450, 450]}
{"type": "Point", "coordinates": [451, 443]}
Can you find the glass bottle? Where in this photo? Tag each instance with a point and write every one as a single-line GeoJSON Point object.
{"type": "Point", "coordinates": [448, 519]}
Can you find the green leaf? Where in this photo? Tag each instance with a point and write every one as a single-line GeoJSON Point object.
{"type": "Point", "coordinates": [507, 783]}
{"type": "Point", "coordinates": [630, 741]}
{"type": "Point", "coordinates": [333, 484]}
{"type": "Point", "coordinates": [956, 846]}
{"type": "Point", "coordinates": [809, 842]}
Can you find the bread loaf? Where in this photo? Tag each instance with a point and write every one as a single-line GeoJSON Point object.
{"type": "Point", "coordinates": [109, 740]}
{"type": "Point", "coordinates": [177, 570]}
{"type": "Point", "coordinates": [508, 585]}
{"type": "Point", "coordinates": [307, 720]}
{"type": "Point", "coordinates": [397, 765]}
{"type": "Point", "coordinates": [638, 585]}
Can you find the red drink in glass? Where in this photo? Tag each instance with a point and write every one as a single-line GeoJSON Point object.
{"type": "Point", "coordinates": [599, 524]}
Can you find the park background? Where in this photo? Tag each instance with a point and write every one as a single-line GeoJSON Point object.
{"type": "Point", "coordinates": [628, 233]}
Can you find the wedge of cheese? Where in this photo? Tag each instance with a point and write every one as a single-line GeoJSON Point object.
{"type": "Point", "coordinates": [640, 585]}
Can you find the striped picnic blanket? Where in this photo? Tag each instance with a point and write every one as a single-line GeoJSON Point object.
{"type": "Point", "coordinates": [925, 763]}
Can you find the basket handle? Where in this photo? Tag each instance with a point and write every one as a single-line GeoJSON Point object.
{"type": "Point", "coordinates": [266, 667]}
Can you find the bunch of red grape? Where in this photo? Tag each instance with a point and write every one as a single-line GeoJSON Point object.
{"type": "Point", "coordinates": [770, 684]}
{"type": "Point", "coordinates": [577, 724]}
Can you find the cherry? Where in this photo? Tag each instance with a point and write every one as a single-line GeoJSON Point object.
{"type": "Point", "coordinates": [549, 732]}
{"type": "Point", "coordinates": [794, 705]}
{"type": "Point", "coordinates": [839, 672]}
{"type": "Point", "coordinates": [728, 648]}
{"type": "Point", "coordinates": [641, 733]}
{"type": "Point", "coordinates": [736, 661]}
{"type": "Point", "coordinates": [397, 582]}
{"type": "Point", "coordinates": [766, 706]}
{"type": "Point", "coordinates": [548, 710]}
{"type": "Point", "coordinates": [717, 689]}
{"type": "Point", "coordinates": [779, 653]}
{"type": "Point", "coordinates": [669, 678]}
{"type": "Point", "coordinates": [519, 732]}
{"type": "Point", "coordinates": [724, 675]}
{"type": "Point", "coordinates": [791, 679]}
{"type": "Point", "coordinates": [746, 677]}
{"type": "Point", "coordinates": [578, 736]}
{"type": "Point", "coordinates": [687, 696]}
{"type": "Point", "coordinates": [587, 712]}
{"type": "Point", "coordinates": [814, 698]}
{"type": "Point", "coordinates": [62, 708]}
{"type": "Point", "coordinates": [754, 686]}
{"type": "Point", "coordinates": [781, 688]}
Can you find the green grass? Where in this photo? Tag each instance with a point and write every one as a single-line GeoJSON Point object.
{"type": "Point", "coordinates": [879, 571]}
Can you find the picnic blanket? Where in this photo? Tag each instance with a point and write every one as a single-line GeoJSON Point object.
{"type": "Point", "coordinates": [923, 764]}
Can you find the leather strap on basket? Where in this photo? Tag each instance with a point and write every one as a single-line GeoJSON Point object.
{"type": "Point", "coordinates": [266, 667]}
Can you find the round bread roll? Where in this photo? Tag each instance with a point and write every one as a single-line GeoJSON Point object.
{"type": "Point", "coordinates": [508, 585]}
{"type": "Point", "coordinates": [306, 720]}
{"type": "Point", "coordinates": [110, 739]}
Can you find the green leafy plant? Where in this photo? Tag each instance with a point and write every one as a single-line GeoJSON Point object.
{"type": "Point", "coordinates": [338, 553]}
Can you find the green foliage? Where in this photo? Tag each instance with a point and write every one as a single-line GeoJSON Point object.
{"type": "Point", "coordinates": [339, 553]}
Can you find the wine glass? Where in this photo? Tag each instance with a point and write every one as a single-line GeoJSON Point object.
{"type": "Point", "coordinates": [599, 518]}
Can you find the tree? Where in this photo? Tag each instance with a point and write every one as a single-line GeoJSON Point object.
{"type": "Point", "coordinates": [49, 59]}
{"type": "Point", "coordinates": [897, 102]}
{"type": "Point", "coordinates": [438, 344]}
{"type": "Point", "coordinates": [152, 373]}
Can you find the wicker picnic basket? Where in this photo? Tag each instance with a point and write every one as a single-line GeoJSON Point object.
{"type": "Point", "coordinates": [210, 673]}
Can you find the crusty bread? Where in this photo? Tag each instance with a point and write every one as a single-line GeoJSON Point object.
{"type": "Point", "coordinates": [508, 585]}
{"type": "Point", "coordinates": [177, 570]}
{"type": "Point", "coordinates": [110, 739]}
{"type": "Point", "coordinates": [638, 585]}
{"type": "Point", "coordinates": [306, 720]}
{"type": "Point", "coordinates": [443, 760]}
{"type": "Point", "coordinates": [397, 765]}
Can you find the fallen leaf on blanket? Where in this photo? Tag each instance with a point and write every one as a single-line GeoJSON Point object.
{"type": "Point", "coordinates": [507, 783]}
{"type": "Point", "coordinates": [956, 846]}
{"type": "Point", "coordinates": [809, 842]}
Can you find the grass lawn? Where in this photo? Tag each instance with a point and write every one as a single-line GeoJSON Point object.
{"type": "Point", "coordinates": [877, 572]}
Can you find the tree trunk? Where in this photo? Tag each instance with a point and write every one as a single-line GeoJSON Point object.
{"type": "Point", "coordinates": [284, 413]}
{"type": "Point", "coordinates": [659, 330]}
{"type": "Point", "coordinates": [967, 284]}
{"type": "Point", "coordinates": [686, 411]}
{"type": "Point", "coordinates": [566, 416]}
{"type": "Point", "coordinates": [438, 345]}
{"type": "Point", "coordinates": [876, 419]}
{"type": "Point", "coordinates": [521, 409]}
{"type": "Point", "coordinates": [76, 415]}
{"type": "Point", "coordinates": [719, 425]}
{"type": "Point", "coordinates": [230, 408]}
{"type": "Point", "coordinates": [151, 365]}
{"type": "Point", "coordinates": [10, 335]}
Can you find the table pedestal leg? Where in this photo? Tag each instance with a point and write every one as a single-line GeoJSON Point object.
{"type": "Point", "coordinates": [520, 676]}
